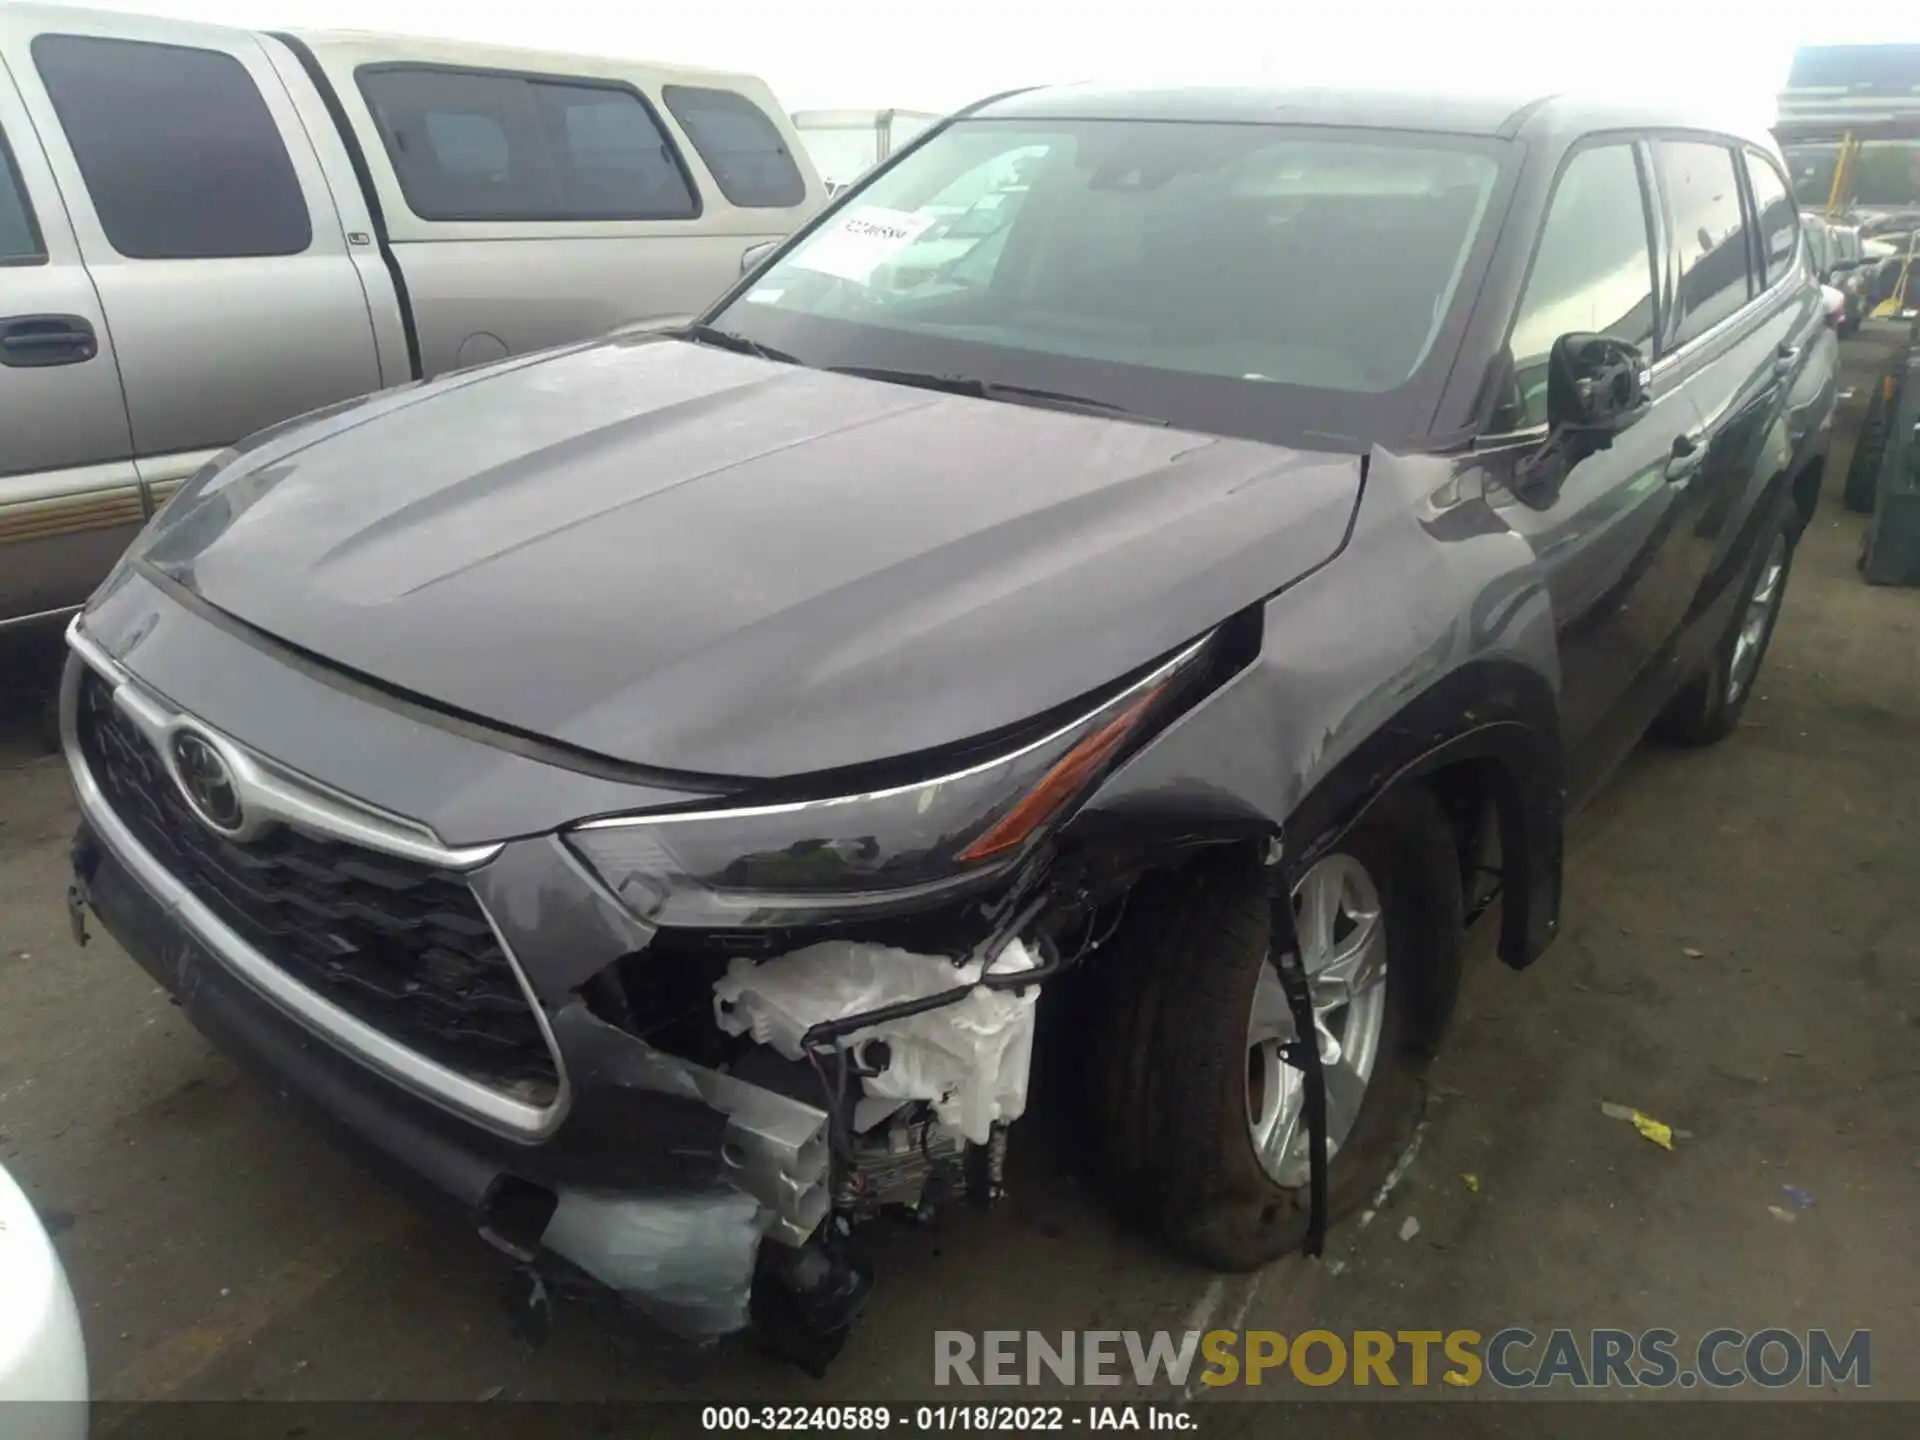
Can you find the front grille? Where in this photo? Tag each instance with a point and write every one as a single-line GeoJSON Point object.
{"type": "Point", "coordinates": [398, 944]}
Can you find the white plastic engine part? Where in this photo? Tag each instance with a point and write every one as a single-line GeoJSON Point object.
{"type": "Point", "coordinates": [969, 1060]}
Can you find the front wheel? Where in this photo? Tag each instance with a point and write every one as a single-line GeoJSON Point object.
{"type": "Point", "coordinates": [1199, 1116]}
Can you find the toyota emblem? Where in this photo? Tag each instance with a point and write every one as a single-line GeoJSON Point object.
{"type": "Point", "coordinates": [207, 781]}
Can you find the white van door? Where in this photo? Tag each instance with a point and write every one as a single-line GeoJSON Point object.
{"type": "Point", "coordinates": [69, 497]}
{"type": "Point", "coordinates": [205, 221]}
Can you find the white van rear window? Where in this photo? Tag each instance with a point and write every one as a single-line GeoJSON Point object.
{"type": "Point", "coordinates": [745, 151]}
{"type": "Point", "coordinates": [489, 145]}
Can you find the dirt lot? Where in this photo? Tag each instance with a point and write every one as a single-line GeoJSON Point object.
{"type": "Point", "coordinates": [1740, 958]}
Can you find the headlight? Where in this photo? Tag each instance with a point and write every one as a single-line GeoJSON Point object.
{"type": "Point", "coordinates": [892, 849]}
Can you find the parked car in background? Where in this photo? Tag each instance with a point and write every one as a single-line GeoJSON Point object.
{"type": "Point", "coordinates": [205, 231]}
{"type": "Point", "coordinates": [1836, 303]}
{"type": "Point", "coordinates": [43, 1358]}
{"type": "Point", "coordinates": [845, 144]}
{"type": "Point", "coordinates": [1882, 259]}
{"type": "Point", "coordinates": [1835, 251]}
{"type": "Point", "coordinates": [642, 789]}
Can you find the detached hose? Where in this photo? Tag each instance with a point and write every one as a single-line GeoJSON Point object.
{"type": "Point", "coordinates": [1304, 1053]}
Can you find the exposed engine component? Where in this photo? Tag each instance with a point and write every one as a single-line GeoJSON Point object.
{"type": "Point", "coordinates": [969, 1058]}
{"type": "Point", "coordinates": [909, 1160]}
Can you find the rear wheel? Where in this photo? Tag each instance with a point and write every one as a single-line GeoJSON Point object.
{"type": "Point", "coordinates": [1199, 1116]}
{"type": "Point", "coordinates": [1708, 707]}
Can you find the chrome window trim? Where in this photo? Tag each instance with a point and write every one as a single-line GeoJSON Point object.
{"type": "Point", "coordinates": [457, 1093]}
{"type": "Point", "coordinates": [1667, 363]}
{"type": "Point", "coordinates": [748, 812]}
{"type": "Point", "coordinates": [1744, 315]}
{"type": "Point", "coordinates": [1673, 359]}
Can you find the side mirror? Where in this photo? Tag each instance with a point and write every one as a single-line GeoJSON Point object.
{"type": "Point", "coordinates": [751, 257]}
{"type": "Point", "coordinates": [1595, 388]}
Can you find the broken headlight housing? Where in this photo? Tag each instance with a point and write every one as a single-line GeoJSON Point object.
{"type": "Point", "coordinates": [881, 851]}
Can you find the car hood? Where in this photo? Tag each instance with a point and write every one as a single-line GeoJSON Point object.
{"type": "Point", "coordinates": [705, 562]}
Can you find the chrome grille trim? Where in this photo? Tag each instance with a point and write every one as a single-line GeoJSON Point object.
{"type": "Point", "coordinates": [462, 1095]}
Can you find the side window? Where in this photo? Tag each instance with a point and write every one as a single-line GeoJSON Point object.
{"type": "Point", "coordinates": [1709, 234]}
{"type": "Point", "coordinates": [1779, 220]}
{"type": "Point", "coordinates": [178, 150]}
{"type": "Point", "coordinates": [1592, 272]}
{"type": "Point", "coordinates": [485, 145]}
{"type": "Point", "coordinates": [19, 236]}
{"type": "Point", "coordinates": [741, 146]}
{"type": "Point", "coordinates": [614, 157]}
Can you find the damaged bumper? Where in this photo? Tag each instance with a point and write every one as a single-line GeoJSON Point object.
{"type": "Point", "coordinates": [682, 1050]}
{"type": "Point", "coordinates": [661, 1181]}
{"type": "Point", "coordinates": [480, 1020]}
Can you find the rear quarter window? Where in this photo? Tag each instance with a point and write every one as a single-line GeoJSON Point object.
{"type": "Point", "coordinates": [488, 145]}
{"type": "Point", "coordinates": [178, 150]}
{"type": "Point", "coordinates": [745, 151]}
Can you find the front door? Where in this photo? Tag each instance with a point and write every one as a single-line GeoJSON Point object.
{"type": "Point", "coordinates": [69, 498]}
{"type": "Point", "coordinates": [205, 221]}
{"type": "Point", "coordinates": [1601, 536]}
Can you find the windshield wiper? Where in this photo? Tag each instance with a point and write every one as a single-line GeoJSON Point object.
{"type": "Point", "coordinates": [996, 390]}
{"type": "Point", "coordinates": [704, 334]}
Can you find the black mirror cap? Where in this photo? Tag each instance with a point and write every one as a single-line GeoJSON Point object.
{"type": "Point", "coordinates": [1595, 386]}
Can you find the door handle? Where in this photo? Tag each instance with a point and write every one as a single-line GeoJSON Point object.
{"type": "Point", "coordinates": [1784, 359]}
{"type": "Point", "coordinates": [1689, 453]}
{"type": "Point", "coordinates": [29, 341]}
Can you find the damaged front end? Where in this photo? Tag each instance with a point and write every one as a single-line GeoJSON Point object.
{"type": "Point", "coordinates": [854, 981]}
{"type": "Point", "coordinates": [684, 1053]}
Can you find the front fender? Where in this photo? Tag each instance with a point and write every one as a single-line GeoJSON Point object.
{"type": "Point", "coordinates": [1429, 642]}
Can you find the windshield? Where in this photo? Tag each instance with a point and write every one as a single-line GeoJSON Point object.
{"type": "Point", "coordinates": [1206, 274]}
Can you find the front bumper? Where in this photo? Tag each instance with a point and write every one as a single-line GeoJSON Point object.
{"type": "Point", "coordinates": [653, 1175]}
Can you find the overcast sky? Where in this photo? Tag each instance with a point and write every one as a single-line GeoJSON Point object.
{"type": "Point", "coordinates": [1726, 54]}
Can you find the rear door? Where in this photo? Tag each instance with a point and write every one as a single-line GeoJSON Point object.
{"type": "Point", "coordinates": [1809, 352]}
{"type": "Point", "coordinates": [69, 497]}
{"type": "Point", "coordinates": [1732, 344]}
{"type": "Point", "coordinates": [204, 219]}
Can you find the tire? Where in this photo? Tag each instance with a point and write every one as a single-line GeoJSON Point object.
{"type": "Point", "coordinates": [1170, 1095]}
{"type": "Point", "coordinates": [1708, 707]}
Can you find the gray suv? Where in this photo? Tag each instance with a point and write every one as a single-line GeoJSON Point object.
{"type": "Point", "coordinates": [645, 790]}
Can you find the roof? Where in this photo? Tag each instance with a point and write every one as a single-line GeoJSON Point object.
{"type": "Point", "coordinates": [435, 49]}
{"type": "Point", "coordinates": [1442, 112]}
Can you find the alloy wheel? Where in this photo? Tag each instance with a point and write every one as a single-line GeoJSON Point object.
{"type": "Point", "coordinates": [1344, 950]}
{"type": "Point", "coordinates": [1761, 604]}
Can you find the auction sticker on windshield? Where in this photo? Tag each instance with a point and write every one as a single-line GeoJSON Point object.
{"type": "Point", "coordinates": [862, 241]}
